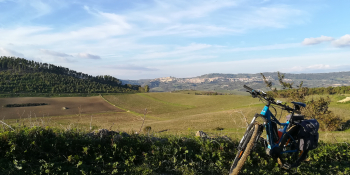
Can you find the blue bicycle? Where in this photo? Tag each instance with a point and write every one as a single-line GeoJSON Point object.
{"type": "Point", "coordinates": [278, 142]}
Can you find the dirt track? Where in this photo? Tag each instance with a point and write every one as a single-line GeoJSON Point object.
{"type": "Point", "coordinates": [344, 100]}
{"type": "Point", "coordinates": [74, 105]}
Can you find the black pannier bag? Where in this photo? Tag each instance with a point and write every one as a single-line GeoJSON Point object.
{"type": "Point", "coordinates": [308, 134]}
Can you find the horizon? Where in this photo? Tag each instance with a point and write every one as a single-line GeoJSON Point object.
{"type": "Point", "coordinates": [233, 74]}
{"type": "Point", "coordinates": [135, 40]}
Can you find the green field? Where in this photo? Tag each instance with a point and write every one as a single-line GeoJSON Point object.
{"type": "Point", "coordinates": [180, 112]}
{"type": "Point", "coordinates": [184, 112]}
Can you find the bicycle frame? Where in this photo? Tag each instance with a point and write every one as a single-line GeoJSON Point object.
{"type": "Point", "coordinates": [269, 118]}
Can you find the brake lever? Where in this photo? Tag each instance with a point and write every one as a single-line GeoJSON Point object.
{"type": "Point", "coordinates": [254, 94]}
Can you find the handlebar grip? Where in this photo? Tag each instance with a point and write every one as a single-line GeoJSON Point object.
{"type": "Point", "coordinates": [248, 88]}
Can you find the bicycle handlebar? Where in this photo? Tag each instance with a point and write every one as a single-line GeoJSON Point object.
{"type": "Point", "coordinates": [248, 88]}
{"type": "Point", "coordinates": [269, 99]}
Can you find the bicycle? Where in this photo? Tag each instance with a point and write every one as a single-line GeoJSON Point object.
{"type": "Point", "coordinates": [278, 142]}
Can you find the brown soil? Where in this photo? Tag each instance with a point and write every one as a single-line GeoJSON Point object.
{"type": "Point", "coordinates": [73, 105]}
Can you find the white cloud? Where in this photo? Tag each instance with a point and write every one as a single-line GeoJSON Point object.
{"type": "Point", "coordinates": [212, 18]}
{"type": "Point", "coordinates": [268, 47]}
{"type": "Point", "coordinates": [88, 56]}
{"type": "Point", "coordinates": [8, 52]}
{"type": "Point", "coordinates": [21, 34]}
{"type": "Point", "coordinates": [40, 7]}
{"type": "Point", "coordinates": [309, 68]}
{"type": "Point", "coordinates": [343, 41]}
{"type": "Point", "coordinates": [277, 16]}
{"type": "Point", "coordinates": [318, 40]}
{"type": "Point", "coordinates": [293, 64]}
{"type": "Point", "coordinates": [110, 18]}
{"type": "Point", "coordinates": [175, 52]}
{"type": "Point", "coordinates": [130, 67]}
{"type": "Point", "coordinates": [53, 53]}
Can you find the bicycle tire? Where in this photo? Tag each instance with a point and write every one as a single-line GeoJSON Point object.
{"type": "Point", "coordinates": [247, 145]}
{"type": "Point", "coordinates": [290, 158]}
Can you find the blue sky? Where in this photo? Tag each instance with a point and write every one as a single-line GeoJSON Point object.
{"type": "Point", "coordinates": [138, 39]}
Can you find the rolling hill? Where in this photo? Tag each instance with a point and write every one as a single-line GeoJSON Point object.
{"type": "Point", "coordinates": [21, 76]}
{"type": "Point", "coordinates": [233, 83]}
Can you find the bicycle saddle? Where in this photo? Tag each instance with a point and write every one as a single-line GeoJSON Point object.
{"type": "Point", "coordinates": [299, 104]}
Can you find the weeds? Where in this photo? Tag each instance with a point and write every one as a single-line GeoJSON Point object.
{"type": "Point", "coordinates": [47, 150]}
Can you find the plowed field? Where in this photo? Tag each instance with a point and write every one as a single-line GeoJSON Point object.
{"type": "Point", "coordinates": [73, 105]}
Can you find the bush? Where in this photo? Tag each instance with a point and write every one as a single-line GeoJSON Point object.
{"type": "Point", "coordinates": [315, 109]}
{"type": "Point", "coordinates": [219, 128]}
{"type": "Point", "coordinates": [147, 129]}
{"type": "Point", "coordinates": [24, 105]}
{"type": "Point", "coordinates": [52, 151]}
{"type": "Point", "coordinates": [318, 109]}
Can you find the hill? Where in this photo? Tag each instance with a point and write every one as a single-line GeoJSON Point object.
{"type": "Point", "coordinates": [18, 75]}
{"type": "Point", "coordinates": [233, 83]}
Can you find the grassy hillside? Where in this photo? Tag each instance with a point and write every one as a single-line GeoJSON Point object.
{"type": "Point", "coordinates": [21, 76]}
{"type": "Point", "coordinates": [183, 112]}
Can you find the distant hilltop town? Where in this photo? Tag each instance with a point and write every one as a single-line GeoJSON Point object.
{"type": "Point", "coordinates": [214, 79]}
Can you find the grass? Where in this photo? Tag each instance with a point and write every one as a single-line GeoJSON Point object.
{"type": "Point", "coordinates": [180, 115]}
{"type": "Point", "coordinates": [179, 112]}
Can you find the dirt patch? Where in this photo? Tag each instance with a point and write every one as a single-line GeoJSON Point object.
{"type": "Point", "coordinates": [71, 105]}
{"type": "Point", "coordinates": [344, 100]}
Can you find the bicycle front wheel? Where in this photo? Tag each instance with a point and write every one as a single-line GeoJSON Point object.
{"type": "Point", "coordinates": [244, 149]}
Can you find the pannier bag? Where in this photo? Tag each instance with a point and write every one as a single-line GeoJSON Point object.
{"type": "Point", "coordinates": [308, 134]}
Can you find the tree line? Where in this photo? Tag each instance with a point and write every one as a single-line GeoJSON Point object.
{"type": "Point", "coordinates": [18, 75]}
{"type": "Point", "coordinates": [24, 105]}
{"type": "Point", "coordinates": [314, 91]}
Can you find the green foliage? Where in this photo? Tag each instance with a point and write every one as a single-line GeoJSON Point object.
{"type": "Point", "coordinates": [51, 151]}
{"type": "Point", "coordinates": [219, 128]}
{"type": "Point", "coordinates": [208, 93]}
{"type": "Point", "coordinates": [315, 91]}
{"type": "Point", "coordinates": [23, 76]}
{"type": "Point", "coordinates": [146, 88]}
{"type": "Point", "coordinates": [316, 109]}
{"type": "Point", "coordinates": [24, 105]}
{"type": "Point", "coordinates": [147, 129]}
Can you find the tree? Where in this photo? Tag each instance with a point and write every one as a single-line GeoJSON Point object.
{"type": "Point", "coordinates": [317, 109]}
{"type": "Point", "coordinates": [146, 88]}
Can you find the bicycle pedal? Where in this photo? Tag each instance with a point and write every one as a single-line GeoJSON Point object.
{"type": "Point", "coordinates": [286, 166]}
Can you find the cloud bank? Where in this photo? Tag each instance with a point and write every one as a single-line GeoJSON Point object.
{"type": "Point", "coordinates": [343, 41]}
{"type": "Point", "coordinates": [131, 68]}
{"type": "Point", "coordinates": [88, 56]}
{"type": "Point", "coordinates": [8, 52]}
{"type": "Point", "coordinates": [313, 41]}
{"type": "Point", "coordinates": [55, 54]}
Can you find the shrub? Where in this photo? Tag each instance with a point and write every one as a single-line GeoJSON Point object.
{"type": "Point", "coordinates": [219, 128]}
{"type": "Point", "coordinates": [52, 151]}
{"type": "Point", "coordinates": [147, 129]}
{"type": "Point", "coordinates": [316, 109]}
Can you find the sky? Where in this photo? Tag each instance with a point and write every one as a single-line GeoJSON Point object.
{"type": "Point", "coordinates": [146, 39]}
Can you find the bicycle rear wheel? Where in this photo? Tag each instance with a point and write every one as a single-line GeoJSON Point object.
{"type": "Point", "coordinates": [292, 159]}
{"type": "Point", "coordinates": [244, 149]}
